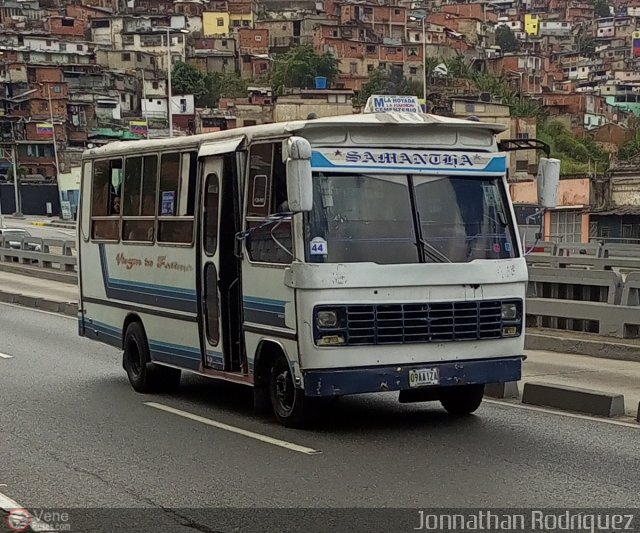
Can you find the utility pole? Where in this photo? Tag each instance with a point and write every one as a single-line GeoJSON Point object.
{"type": "Point", "coordinates": [55, 145]}
{"type": "Point", "coordinates": [424, 61]}
{"type": "Point", "coordinates": [14, 166]}
{"type": "Point", "coordinates": [170, 97]}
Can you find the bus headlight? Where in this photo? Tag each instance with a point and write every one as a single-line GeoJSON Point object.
{"type": "Point", "coordinates": [327, 319]}
{"type": "Point", "coordinates": [509, 311]}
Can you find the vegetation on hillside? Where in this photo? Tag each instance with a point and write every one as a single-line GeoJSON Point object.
{"type": "Point", "coordinates": [298, 68]}
{"type": "Point", "coordinates": [578, 155]}
{"type": "Point", "coordinates": [207, 89]}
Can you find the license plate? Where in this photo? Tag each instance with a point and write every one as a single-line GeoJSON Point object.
{"type": "Point", "coordinates": [424, 376]}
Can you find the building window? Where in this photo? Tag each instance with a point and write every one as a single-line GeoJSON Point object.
{"type": "Point", "coordinates": [396, 11]}
{"type": "Point", "coordinates": [68, 23]}
{"type": "Point", "coordinates": [219, 22]}
{"type": "Point", "coordinates": [183, 105]}
{"type": "Point", "coordinates": [155, 85]}
{"type": "Point", "coordinates": [566, 225]}
{"type": "Point", "coordinates": [267, 195]}
{"type": "Point", "coordinates": [105, 199]}
{"type": "Point", "coordinates": [79, 47]}
{"type": "Point", "coordinates": [353, 68]}
{"type": "Point", "coordinates": [236, 23]}
{"type": "Point", "coordinates": [63, 47]}
{"type": "Point", "coordinates": [48, 43]}
{"type": "Point", "coordinates": [139, 198]}
{"type": "Point", "coordinates": [370, 67]}
{"type": "Point", "coordinates": [177, 198]}
{"type": "Point", "coordinates": [258, 38]}
{"type": "Point", "coordinates": [523, 136]}
{"type": "Point", "coordinates": [57, 89]}
{"type": "Point", "coordinates": [522, 165]}
{"type": "Point", "coordinates": [246, 23]}
{"type": "Point", "coordinates": [413, 70]}
{"type": "Point", "coordinates": [126, 56]}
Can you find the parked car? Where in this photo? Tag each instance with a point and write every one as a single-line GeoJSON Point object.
{"type": "Point", "coordinates": [15, 236]}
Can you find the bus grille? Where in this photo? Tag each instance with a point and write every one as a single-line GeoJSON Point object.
{"type": "Point", "coordinates": [428, 322]}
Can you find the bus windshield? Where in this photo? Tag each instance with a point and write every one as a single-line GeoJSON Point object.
{"type": "Point", "coordinates": [395, 219]}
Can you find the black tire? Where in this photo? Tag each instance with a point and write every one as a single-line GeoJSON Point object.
{"type": "Point", "coordinates": [287, 401]}
{"type": "Point", "coordinates": [145, 376]}
{"type": "Point", "coordinates": [462, 400]}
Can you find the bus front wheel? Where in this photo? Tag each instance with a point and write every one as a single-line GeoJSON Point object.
{"type": "Point", "coordinates": [461, 400]}
{"type": "Point", "coordinates": [287, 401]}
{"type": "Point", "coordinates": [144, 375]}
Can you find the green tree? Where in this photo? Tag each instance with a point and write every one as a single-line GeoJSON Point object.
{"type": "Point", "coordinates": [225, 85]}
{"type": "Point", "coordinates": [376, 84]}
{"type": "Point", "coordinates": [458, 67]}
{"type": "Point", "coordinates": [187, 79]}
{"type": "Point", "coordinates": [299, 66]}
{"type": "Point", "coordinates": [602, 8]}
{"type": "Point", "coordinates": [506, 39]}
{"type": "Point", "coordinates": [577, 154]}
{"type": "Point", "coordinates": [587, 45]}
{"type": "Point", "coordinates": [384, 82]}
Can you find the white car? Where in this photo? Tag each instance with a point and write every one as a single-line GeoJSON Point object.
{"type": "Point", "coordinates": [15, 237]}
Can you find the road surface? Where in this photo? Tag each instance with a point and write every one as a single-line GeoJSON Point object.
{"type": "Point", "coordinates": [76, 435]}
{"type": "Point", "coordinates": [46, 232]}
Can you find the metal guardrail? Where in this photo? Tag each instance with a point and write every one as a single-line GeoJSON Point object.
{"type": "Point", "coordinates": [576, 287]}
{"type": "Point", "coordinates": [586, 288]}
{"type": "Point", "coordinates": [36, 250]}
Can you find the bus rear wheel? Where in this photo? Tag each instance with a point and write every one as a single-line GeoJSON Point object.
{"type": "Point", "coordinates": [460, 400]}
{"type": "Point", "coordinates": [144, 375]}
{"type": "Point", "coordinates": [287, 401]}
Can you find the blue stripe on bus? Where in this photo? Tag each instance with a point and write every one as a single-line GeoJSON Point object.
{"type": "Point", "coordinates": [113, 335]}
{"type": "Point", "coordinates": [497, 165]}
{"type": "Point", "coordinates": [264, 311]}
{"type": "Point", "coordinates": [174, 298]}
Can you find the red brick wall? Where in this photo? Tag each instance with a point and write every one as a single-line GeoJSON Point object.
{"type": "Point", "coordinates": [471, 11]}
{"type": "Point", "coordinates": [253, 40]}
{"type": "Point", "coordinates": [77, 29]}
{"type": "Point", "coordinates": [45, 74]}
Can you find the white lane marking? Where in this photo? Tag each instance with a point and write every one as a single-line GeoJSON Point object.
{"type": "Point", "coordinates": [25, 308]}
{"type": "Point", "coordinates": [563, 413]}
{"type": "Point", "coordinates": [7, 504]}
{"type": "Point", "coordinates": [5, 356]}
{"type": "Point", "coordinates": [233, 429]}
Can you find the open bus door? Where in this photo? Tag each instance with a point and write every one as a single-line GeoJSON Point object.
{"type": "Point", "coordinates": [219, 268]}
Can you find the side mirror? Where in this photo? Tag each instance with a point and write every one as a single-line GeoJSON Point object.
{"type": "Point", "coordinates": [296, 153]}
{"type": "Point", "coordinates": [548, 182]}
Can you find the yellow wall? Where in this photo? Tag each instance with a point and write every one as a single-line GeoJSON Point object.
{"type": "Point", "coordinates": [210, 23]}
{"type": "Point", "coordinates": [532, 24]}
{"type": "Point", "coordinates": [240, 17]}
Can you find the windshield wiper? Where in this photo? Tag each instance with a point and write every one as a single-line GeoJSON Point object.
{"type": "Point", "coordinates": [428, 249]}
{"type": "Point", "coordinates": [433, 253]}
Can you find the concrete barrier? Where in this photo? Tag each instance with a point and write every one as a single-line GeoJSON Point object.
{"type": "Point", "coordinates": [502, 390]}
{"type": "Point", "coordinates": [63, 308]}
{"type": "Point", "coordinates": [573, 399]}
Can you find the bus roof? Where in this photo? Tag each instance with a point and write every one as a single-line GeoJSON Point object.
{"type": "Point", "coordinates": [282, 128]}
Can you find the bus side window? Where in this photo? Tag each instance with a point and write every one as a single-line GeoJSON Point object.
{"type": "Point", "coordinates": [177, 198]}
{"type": "Point", "coordinates": [268, 195]}
{"type": "Point", "coordinates": [105, 199]}
{"type": "Point", "coordinates": [139, 198]}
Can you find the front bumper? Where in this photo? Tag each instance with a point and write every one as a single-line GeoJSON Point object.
{"type": "Point", "coordinates": [361, 380]}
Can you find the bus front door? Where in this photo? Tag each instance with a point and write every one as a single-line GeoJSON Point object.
{"type": "Point", "coordinates": [219, 267]}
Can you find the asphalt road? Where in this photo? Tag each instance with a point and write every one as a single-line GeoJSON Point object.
{"type": "Point", "coordinates": [46, 232]}
{"type": "Point", "coordinates": [74, 434]}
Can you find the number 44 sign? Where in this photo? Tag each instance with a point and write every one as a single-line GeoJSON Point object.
{"type": "Point", "coordinates": [318, 246]}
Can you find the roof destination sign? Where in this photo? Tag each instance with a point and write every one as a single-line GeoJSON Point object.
{"type": "Point", "coordinates": [397, 104]}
